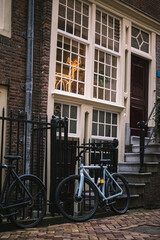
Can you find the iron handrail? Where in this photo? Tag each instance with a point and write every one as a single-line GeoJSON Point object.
{"type": "Point", "coordinates": [143, 126]}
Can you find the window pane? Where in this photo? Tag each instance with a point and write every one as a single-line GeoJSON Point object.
{"type": "Point", "coordinates": [95, 115]}
{"type": "Point", "coordinates": [73, 125]}
{"type": "Point", "coordinates": [101, 117]}
{"type": "Point", "coordinates": [61, 24]}
{"type": "Point", "coordinates": [140, 40]}
{"type": "Point", "coordinates": [114, 118]}
{"type": "Point", "coordinates": [57, 109]}
{"type": "Point", "coordinates": [94, 129]}
{"type": "Point", "coordinates": [108, 117]}
{"type": "Point", "coordinates": [107, 30]}
{"type": "Point", "coordinates": [65, 111]}
{"type": "Point", "coordinates": [106, 124]}
{"type": "Point", "coordinates": [108, 131]}
{"type": "Point", "coordinates": [70, 14]}
{"type": "Point", "coordinates": [114, 131]}
{"type": "Point", "coordinates": [62, 11]}
{"type": "Point", "coordinates": [81, 88]}
{"type": "Point", "coordinates": [101, 130]}
{"type": "Point", "coordinates": [73, 112]}
{"type": "Point", "coordinates": [74, 13]}
{"type": "Point", "coordinates": [114, 72]}
{"type": "Point", "coordinates": [71, 67]}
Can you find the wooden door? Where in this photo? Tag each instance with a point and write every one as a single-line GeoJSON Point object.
{"type": "Point", "coordinates": [139, 93]}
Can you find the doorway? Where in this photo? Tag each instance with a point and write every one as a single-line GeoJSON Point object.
{"type": "Point", "coordinates": [139, 93]}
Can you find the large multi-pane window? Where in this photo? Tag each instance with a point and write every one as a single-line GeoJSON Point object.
{"type": "Point", "coordinates": [70, 65]}
{"type": "Point", "coordinates": [104, 124]}
{"type": "Point", "coordinates": [140, 39]}
{"type": "Point", "coordinates": [70, 111]}
{"type": "Point", "coordinates": [105, 76]}
{"type": "Point", "coordinates": [107, 31]}
{"type": "Point", "coordinates": [107, 42]}
{"type": "Point", "coordinates": [73, 28]}
{"type": "Point", "coordinates": [73, 17]}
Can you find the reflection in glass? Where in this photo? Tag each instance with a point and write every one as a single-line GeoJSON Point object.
{"type": "Point", "coordinates": [95, 115]}
{"type": "Point", "coordinates": [73, 112]}
{"type": "Point", "coordinates": [94, 129]}
{"type": "Point", "coordinates": [57, 109]}
{"type": "Point", "coordinates": [73, 126]}
{"type": "Point", "coordinates": [101, 130]}
{"type": "Point", "coordinates": [101, 116]}
{"type": "Point", "coordinates": [65, 110]}
{"type": "Point", "coordinates": [108, 131]}
{"type": "Point", "coordinates": [114, 131]}
{"type": "Point", "coordinates": [114, 119]}
{"type": "Point", "coordinates": [108, 117]}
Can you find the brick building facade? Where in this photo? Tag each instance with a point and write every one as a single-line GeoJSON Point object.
{"type": "Point", "coordinates": [46, 96]}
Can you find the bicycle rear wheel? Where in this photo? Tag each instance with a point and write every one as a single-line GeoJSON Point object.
{"type": "Point", "coordinates": [31, 214]}
{"type": "Point", "coordinates": [121, 203]}
{"type": "Point", "coordinates": [72, 207]}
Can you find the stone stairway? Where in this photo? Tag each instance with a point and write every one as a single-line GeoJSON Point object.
{"type": "Point", "coordinates": [138, 182]}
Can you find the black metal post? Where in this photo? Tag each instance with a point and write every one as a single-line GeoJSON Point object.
{"type": "Point", "coordinates": [142, 127]}
{"type": "Point", "coordinates": [53, 163]}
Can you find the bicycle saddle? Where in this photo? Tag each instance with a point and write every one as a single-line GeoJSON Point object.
{"type": "Point", "coordinates": [12, 157]}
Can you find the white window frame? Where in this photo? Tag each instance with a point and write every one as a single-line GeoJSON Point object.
{"type": "Point", "coordinates": [139, 51]}
{"type": "Point", "coordinates": [69, 78]}
{"type": "Point", "coordinates": [79, 40]}
{"type": "Point", "coordinates": [69, 119]}
{"type": "Point", "coordinates": [115, 18]}
{"type": "Point", "coordinates": [98, 137]}
{"type": "Point", "coordinates": [111, 78]}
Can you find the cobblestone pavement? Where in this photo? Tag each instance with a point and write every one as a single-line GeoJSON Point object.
{"type": "Point", "coordinates": [135, 224]}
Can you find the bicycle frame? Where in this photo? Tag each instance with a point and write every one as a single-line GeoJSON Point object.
{"type": "Point", "coordinates": [83, 173]}
{"type": "Point", "coordinates": [16, 178]}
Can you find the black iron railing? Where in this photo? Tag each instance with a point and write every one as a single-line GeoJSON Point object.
{"type": "Point", "coordinates": [143, 128]}
{"type": "Point", "coordinates": [49, 139]}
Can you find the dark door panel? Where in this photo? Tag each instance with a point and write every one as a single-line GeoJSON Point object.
{"type": "Point", "coordinates": [139, 93]}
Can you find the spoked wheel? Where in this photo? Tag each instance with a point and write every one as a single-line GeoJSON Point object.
{"type": "Point", "coordinates": [70, 205]}
{"type": "Point", "coordinates": [30, 214]}
{"type": "Point", "coordinates": [119, 204]}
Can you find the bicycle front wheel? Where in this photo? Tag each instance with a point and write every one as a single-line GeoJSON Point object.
{"type": "Point", "coordinates": [118, 204]}
{"type": "Point", "coordinates": [72, 207]}
{"type": "Point", "coordinates": [30, 214]}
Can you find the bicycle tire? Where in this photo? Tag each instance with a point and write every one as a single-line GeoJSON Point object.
{"type": "Point", "coordinates": [70, 206]}
{"type": "Point", "coordinates": [121, 203]}
{"type": "Point", "coordinates": [29, 215]}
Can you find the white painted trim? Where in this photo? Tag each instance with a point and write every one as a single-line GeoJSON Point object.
{"type": "Point", "coordinates": [5, 17]}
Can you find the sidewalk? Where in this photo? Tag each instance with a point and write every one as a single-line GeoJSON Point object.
{"type": "Point", "coordinates": [135, 224]}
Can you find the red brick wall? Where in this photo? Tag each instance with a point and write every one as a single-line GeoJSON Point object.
{"type": "Point", "coordinates": [151, 7]}
{"type": "Point", "coordinates": [152, 191]}
{"type": "Point", "coordinates": [13, 55]}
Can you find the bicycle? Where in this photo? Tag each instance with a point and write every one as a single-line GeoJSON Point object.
{"type": "Point", "coordinates": [24, 200]}
{"type": "Point", "coordinates": [78, 196]}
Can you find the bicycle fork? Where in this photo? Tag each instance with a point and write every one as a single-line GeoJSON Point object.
{"type": "Point", "coordinates": [81, 183]}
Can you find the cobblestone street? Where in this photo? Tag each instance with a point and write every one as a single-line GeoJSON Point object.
{"type": "Point", "coordinates": [135, 224]}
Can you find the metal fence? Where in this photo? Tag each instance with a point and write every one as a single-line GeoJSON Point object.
{"type": "Point", "coordinates": [51, 153]}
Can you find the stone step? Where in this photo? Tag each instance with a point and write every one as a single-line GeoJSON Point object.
{"type": "Point", "coordinates": [136, 201]}
{"type": "Point", "coordinates": [135, 140]}
{"type": "Point", "coordinates": [135, 166]}
{"type": "Point", "coordinates": [136, 188]}
{"type": "Point", "coordinates": [154, 147]}
{"type": "Point", "coordinates": [136, 177]}
{"type": "Point", "coordinates": [148, 157]}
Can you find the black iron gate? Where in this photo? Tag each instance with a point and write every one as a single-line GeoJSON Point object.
{"type": "Point", "coordinates": [44, 133]}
